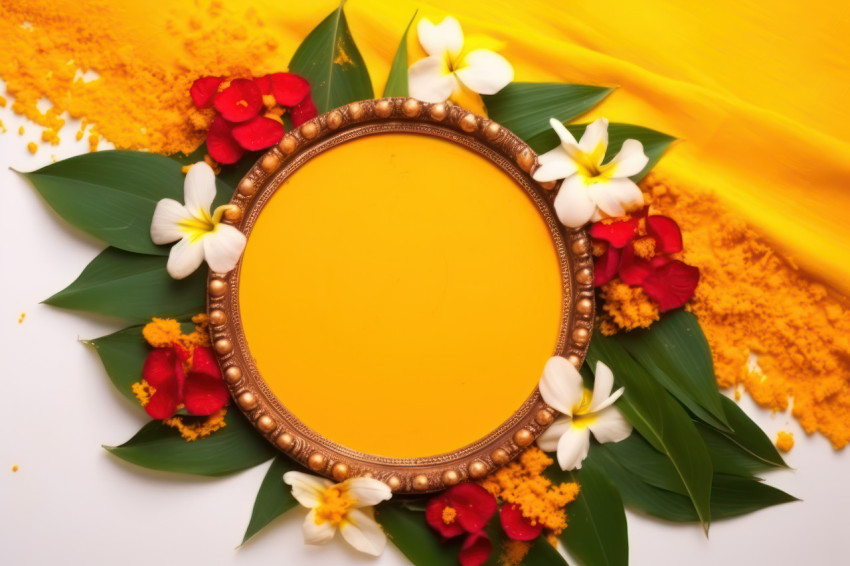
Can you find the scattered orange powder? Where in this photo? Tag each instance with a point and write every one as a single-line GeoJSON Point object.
{"type": "Point", "coordinates": [192, 431]}
{"type": "Point", "coordinates": [21, 131]}
{"type": "Point", "coordinates": [2, 102]}
{"type": "Point", "coordinates": [625, 307]}
{"type": "Point", "coordinates": [521, 482]}
{"type": "Point", "coordinates": [94, 140]}
{"type": "Point", "coordinates": [15, 468]}
{"type": "Point", "coordinates": [752, 300]}
{"type": "Point", "coordinates": [32, 147]}
{"type": "Point", "coordinates": [784, 441]}
{"type": "Point", "coordinates": [162, 332]}
{"type": "Point", "coordinates": [22, 317]}
{"type": "Point", "coordinates": [2, 127]}
{"type": "Point", "coordinates": [513, 552]}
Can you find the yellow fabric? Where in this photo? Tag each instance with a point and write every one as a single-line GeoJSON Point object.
{"type": "Point", "coordinates": [753, 89]}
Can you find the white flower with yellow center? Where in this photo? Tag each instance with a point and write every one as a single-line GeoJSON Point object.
{"type": "Point", "coordinates": [201, 235]}
{"type": "Point", "coordinates": [583, 412]}
{"type": "Point", "coordinates": [592, 190]}
{"type": "Point", "coordinates": [346, 506]}
{"type": "Point", "coordinates": [451, 68]}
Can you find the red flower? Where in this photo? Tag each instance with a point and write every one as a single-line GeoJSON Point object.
{"type": "Point", "coordinates": [670, 283]}
{"type": "Point", "coordinates": [465, 508]}
{"type": "Point", "coordinates": [516, 525]}
{"type": "Point", "coordinates": [201, 389]}
{"type": "Point", "coordinates": [248, 111]}
{"type": "Point", "coordinates": [476, 549]}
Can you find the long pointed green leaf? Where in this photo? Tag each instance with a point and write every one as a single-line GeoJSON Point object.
{"type": "Point", "coordinates": [654, 143]}
{"type": "Point", "coordinates": [639, 458]}
{"type": "Point", "coordinates": [329, 59]}
{"type": "Point", "coordinates": [660, 420]}
{"type": "Point", "coordinates": [749, 436]}
{"type": "Point", "coordinates": [597, 532]}
{"type": "Point", "coordinates": [234, 448]}
{"type": "Point", "coordinates": [543, 554]}
{"type": "Point", "coordinates": [274, 498]}
{"type": "Point", "coordinates": [112, 194]}
{"type": "Point", "coordinates": [676, 349]}
{"type": "Point", "coordinates": [134, 287]}
{"type": "Point", "coordinates": [727, 457]}
{"type": "Point", "coordinates": [525, 108]}
{"type": "Point", "coordinates": [397, 83]}
{"type": "Point", "coordinates": [408, 530]}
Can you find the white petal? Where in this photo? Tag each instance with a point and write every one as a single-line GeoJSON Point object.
{"type": "Point", "coordinates": [610, 426]}
{"type": "Point", "coordinates": [573, 447]}
{"type": "Point", "coordinates": [595, 134]}
{"type": "Point", "coordinates": [485, 71]}
{"type": "Point", "coordinates": [573, 204]}
{"type": "Point", "coordinates": [362, 532]}
{"type": "Point", "coordinates": [566, 137]}
{"type": "Point", "coordinates": [199, 189]}
{"type": "Point", "coordinates": [317, 533]}
{"type": "Point", "coordinates": [223, 247]}
{"type": "Point", "coordinates": [603, 383]}
{"type": "Point", "coordinates": [610, 400]}
{"type": "Point", "coordinates": [306, 489]}
{"type": "Point", "coordinates": [548, 441]}
{"type": "Point", "coordinates": [185, 257]}
{"type": "Point", "coordinates": [616, 196]}
{"type": "Point", "coordinates": [554, 165]}
{"type": "Point", "coordinates": [165, 223]}
{"type": "Point", "coordinates": [561, 385]}
{"type": "Point", "coordinates": [436, 39]}
{"type": "Point", "coordinates": [429, 80]}
{"type": "Point", "coordinates": [368, 491]}
{"type": "Point", "coordinates": [630, 159]}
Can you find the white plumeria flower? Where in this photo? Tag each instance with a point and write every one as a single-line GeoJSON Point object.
{"type": "Point", "coordinates": [583, 412]}
{"type": "Point", "coordinates": [591, 190]}
{"type": "Point", "coordinates": [449, 67]}
{"type": "Point", "coordinates": [202, 235]}
{"type": "Point", "coordinates": [346, 506]}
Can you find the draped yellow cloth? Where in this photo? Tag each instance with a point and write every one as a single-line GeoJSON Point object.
{"type": "Point", "coordinates": [755, 90]}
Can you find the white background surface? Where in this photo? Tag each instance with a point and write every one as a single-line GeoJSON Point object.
{"type": "Point", "coordinates": [71, 503]}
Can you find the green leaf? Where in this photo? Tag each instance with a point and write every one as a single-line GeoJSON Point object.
{"type": "Point", "coordinates": [542, 554]}
{"type": "Point", "coordinates": [651, 466]}
{"type": "Point", "coordinates": [408, 530]}
{"type": "Point", "coordinates": [749, 436]}
{"type": "Point", "coordinates": [230, 175]}
{"type": "Point", "coordinates": [274, 498]}
{"type": "Point", "coordinates": [134, 287]}
{"type": "Point", "coordinates": [235, 447]}
{"type": "Point", "coordinates": [112, 194]}
{"type": "Point", "coordinates": [727, 457]}
{"type": "Point", "coordinates": [661, 421]}
{"type": "Point", "coordinates": [123, 353]}
{"type": "Point", "coordinates": [330, 61]}
{"type": "Point", "coordinates": [597, 533]}
{"type": "Point", "coordinates": [397, 81]}
{"type": "Point", "coordinates": [654, 143]}
{"type": "Point", "coordinates": [525, 108]}
{"type": "Point", "coordinates": [676, 353]}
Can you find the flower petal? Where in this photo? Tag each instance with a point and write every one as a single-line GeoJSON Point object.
{"type": "Point", "coordinates": [204, 361]}
{"type": "Point", "coordinates": [476, 549]}
{"type": "Point", "coordinates": [163, 403]}
{"type": "Point", "coordinates": [618, 232]}
{"type": "Point", "coordinates": [633, 270]}
{"type": "Point", "coordinates": [606, 267]}
{"type": "Point", "coordinates": [516, 525]}
{"type": "Point", "coordinates": [240, 101]}
{"type": "Point", "coordinates": [554, 164]}
{"type": "Point", "coordinates": [630, 159]}
{"type": "Point", "coordinates": [368, 491]}
{"type": "Point", "coordinates": [184, 258]}
{"type": "Point", "coordinates": [594, 140]}
{"type": "Point", "coordinates": [199, 189]}
{"type": "Point", "coordinates": [615, 197]}
{"type": "Point", "coordinates": [430, 80]}
{"type": "Point", "coordinates": [667, 234]}
{"type": "Point", "coordinates": [573, 203]}
{"type": "Point", "coordinates": [548, 441]}
{"type": "Point", "coordinates": [573, 448]}
{"type": "Point", "coordinates": [306, 488]}
{"type": "Point", "coordinates": [304, 112]}
{"type": "Point", "coordinates": [204, 394]}
{"type": "Point", "coordinates": [610, 426]}
{"type": "Point", "coordinates": [566, 137]}
{"type": "Point", "coordinates": [436, 39]}
{"type": "Point", "coordinates": [672, 285]}
{"type": "Point", "coordinates": [289, 89]}
{"type": "Point", "coordinates": [223, 247]}
{"type": "Point", "coordinates": [158, 368]}
{"type": "Point", "coordinates": [610, 400]}
{"type": "Point", "coordinates": [485, 71]}
{"type": "Point", "coordinates": [603, 383]}
{"type": "Point", "coordinates": [220, 143]}
{"type": "Point", "coordinates": [474, 505]}
{"type": "Point", "coordinates": [434, 517]}
{"type": "Point", "coordinates": [203, 90]}
{"type": "Point", "coordinates": [316, 533]}
{"type": "Point", "coordinates": [361, 531]}
{"type": "Point", "coordinates": [258, 133]}
{"type": "Point", "coordinates": [561, 385]}
{"type": "Point", "coordinates": [167, 215]}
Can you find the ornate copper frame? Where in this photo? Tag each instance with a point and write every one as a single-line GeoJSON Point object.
{"type": "Point", "coordinates": [261, 406]}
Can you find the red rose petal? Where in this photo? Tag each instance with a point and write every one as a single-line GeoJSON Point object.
{"type": "Point", "coordinates": [659, 261]}
{"type": "Point", "coordinates": [220, 143]}
{"type": "Point", "coordinates": [203, 90]}
{"type": "Point", "coordinates": [304, 112]}
{"type": "Point", "coordinates": [288, 89]}
{"type": "Point", "coordinates": [240, 101]}
{"type": "Point", "coordinates": [204, 394]}
{"type": "Point", "coordinates": [204, 361]}
{"type": "Point", "coordinates": [257, 134]}
{"type": "Point", "coordinates": [668, 236]}
{"type": "Point", "coordinates": [434, 517]}
{"type": "Point", "coordinates": [617, 233]}
{"type": "Point", "coordinates": [163, 404]}
{"type": "Point", "coordinates": [672, 285]}
{"type": "Point", "coordinates": [633, 270]}
{"type": "Point", "coordinates": [476, 549]}
{"type": "Point", "coordinates": [474, 505]}
{"type": "Point", "coordinates": [516, 525]}
{"type": "Point", "coordinates": [606, 266]}
{"type": "Point", "coordinates": [264, 84]}
{"type": "Point", "coordinates": [158, 369]}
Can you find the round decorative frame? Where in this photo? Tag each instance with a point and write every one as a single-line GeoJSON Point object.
{"type": "Point", "coordinates": [270, 416]}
